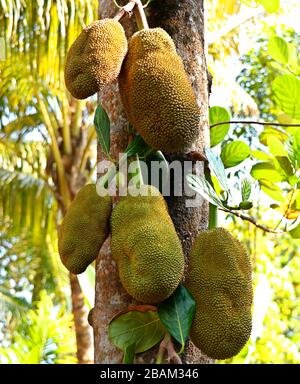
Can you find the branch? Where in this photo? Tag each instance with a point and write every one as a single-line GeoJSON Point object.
{"type": "Point", "coordinates": [254, 122]}
{"type": "Point", "coordinates": [140, 16]}
{"type": "Point", "coordinates": [125, 11]}
{"type": "Point", "coordinates": [137, 7]}
{"type": "Point", "coordinates": [252, 221]}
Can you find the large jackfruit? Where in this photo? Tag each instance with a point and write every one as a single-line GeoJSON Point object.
{"type": "Point", "coordinates": [95, 58]}
{"type": "Point", "coordinates": [84, 229]}
{"type": "Point", "coordinates": [157, 94]}
{"type": "Point", "coordinates": [219, 278]}
{"type": "Point", "coordinates": [146, 247]}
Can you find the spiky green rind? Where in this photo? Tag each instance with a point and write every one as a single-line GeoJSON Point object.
{"type": "Point", "coordinates": [84, 229]}
{"type": "Point", "coordinates": [157, 94]}
{"type": "Point", "coordinates": [146, 247]}
{"type": "Point", "coordinates": [219, 278]}
{"type": "Point", "coordinates": [95, 58]}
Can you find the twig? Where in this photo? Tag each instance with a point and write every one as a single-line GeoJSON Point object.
{"type": "Point", "coordinates": [254, 122]}
{"type": "Point", "coordinates": [251, 220]}
{"type": "Point", "coordinates": [126, 10]}
{"type": "Point", "coordinates": [140, 16]}
{"type": "Point", "coordinates": [167, 346]}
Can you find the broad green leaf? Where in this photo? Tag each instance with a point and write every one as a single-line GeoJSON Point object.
{"type": "Point", "coordinates": [283, 166]}
{"type": "Point", "coordinates": [259, 155]}
{"type": "Point", "coordinates": [246, 187]}
{"type": "Point", "coordinates": [266, 171]}
{"type": "Point", "coordinates": [296, 145]}
{"type": "Point", "coordinates": [144, 329]}
{"type": "Point", "coordinates": [217, 167]}
{"type": "Point", "coordinates": [281, 135]}
{"type": "Point", "coordinates": [102, 124]}
{"type": "Point", "coordinates": [137, 147]}
{"type": "Point", "coordinates": [177, 314]}
{"type": "Point", "coordinates": [276, 146]}
{"type": "Point", "coordinates": [295, 232]}
{"type": "Point", "coordinates": [218, 115]}
{"type": "Point", "coordinates": [202, 186]}
{"type": "Point", "coordinates": [293, 63]}
{"type": "Point", "coordinates": [271, 189]}
{"type": "Point", "coordinates": [287, 94]}
{"type": "Point", "coordinates": [234, 153]}
{"type": "Point", "coordinates": [286, 119]}
{"type": "Point", "coordinates": [278, 49]}
{"type": "Point", "coordinates": [270, 5]}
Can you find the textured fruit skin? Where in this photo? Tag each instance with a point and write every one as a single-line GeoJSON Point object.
{"type": "Point", "coordinates": [146, 247]}
{"type": "Point", "coordinates": [95, 58]}
{"type": "Point", "coordinates": [84, 229]}
{"type": "Point", "coordinates": [219, 278]}
{"type": "Point", "coordinates": [156, 92]}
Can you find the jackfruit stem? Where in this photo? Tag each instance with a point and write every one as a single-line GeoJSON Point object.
{"type": "Point", "coordinates": [137, 7]}
{"type": "Point", "coordinates": [140, 15]}
{"type": "Point", "coordinates": [126, 10]}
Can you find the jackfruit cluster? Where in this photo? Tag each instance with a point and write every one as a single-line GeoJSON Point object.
{"type": "Point", "coordinates": [95, 58]}
{"type": "Point", "coordinates": [84, 229]}
{"type": "Point", "coordinates": [146, 247]}
{"type": "Point", "coordinates": [219, 278]}
{"type": "Point", "coordinates": [156, 92]}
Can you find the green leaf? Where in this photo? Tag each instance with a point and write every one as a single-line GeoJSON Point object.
{"type": "Point", "coordinates": [295, 232]}
{"type": "Point", "coordinates": [202, 186]}
{"type": "Point", "coordinates": [281, 135]}
{"type": "Point", "coordinates": [276, 146]}
{"type": "Point", "coordinates": [267, 171]}
{"type": "Point", "coordinates": [284, 167]}
{"type": "Point", "coordinates": [137, 147]}
{"type": "Point", "coordinates": [217, 167]}
{"type": "Point", "coordinates": [177, 314]}
{"type": "Point", "coordinates": [260, 155]}
{"type": "Point", "coordinates": [271, 189]}
{"type": "Point", "coordinates": [246, 205]}
{"type": "Point", "coordinates": [293, 58]}
{"type": "Point", "coordinates": [287, 94]}
{"type": "Point", "coordinates": [218, 115]}
{"type": "Point", "coordinates": [102, 124]}
{"type": "Point", "coordinates": [278, 49]}
{"type": "Point", "coordinates": [143, 329]}
{"type": "Point", "coordinates": [234, 153]}
{"type": "Point", "coordinates": [246, 189]}
{"type": "Point", "coordinates": [296, 145]}
{"type": "Point", "coordinates": [129, 353]}
{"type": "Point", "coordinates": [270, 5]}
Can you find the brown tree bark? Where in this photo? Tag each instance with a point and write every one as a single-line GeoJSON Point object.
{"type": "Point", "coordinates": [184, 21]}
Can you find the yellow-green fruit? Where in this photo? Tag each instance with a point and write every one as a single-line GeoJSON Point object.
{"type": "Point", "coordinates": [156, 92]}
{"type": "Point", "coordinates": [146, 247]}
{"type": "Point", "coordinates": [95, 58]}
{"type": "Point", "coordinates": [219, 278]}
{"type": "Point", "coordinates": [84, 229]}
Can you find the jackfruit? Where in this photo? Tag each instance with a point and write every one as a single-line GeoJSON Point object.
{"type": "Point", "coordinates": [219, 278]}
{"type": "Point", "coordinates": [95, 58]}
{"type": "Point", "coordinates": [146, 247]}
{"type": "Point", "coordinates": [84, 229]}
{"type": "Point", "coordinates": [157, 94]}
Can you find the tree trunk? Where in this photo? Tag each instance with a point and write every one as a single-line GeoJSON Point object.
{"type": "Point", "coordinates": [184, 21]}
{"type": "Point", "coordinates": [83, 330]}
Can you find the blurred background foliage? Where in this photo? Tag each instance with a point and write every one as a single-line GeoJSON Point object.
{"type": "Point", "coordinates": [44, 132]}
